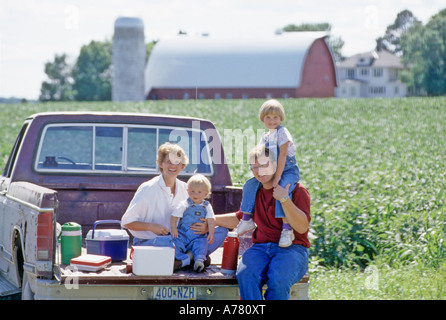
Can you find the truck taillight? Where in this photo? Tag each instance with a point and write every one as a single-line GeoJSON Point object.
{"type": "Point", "coordinates": [45, 236]}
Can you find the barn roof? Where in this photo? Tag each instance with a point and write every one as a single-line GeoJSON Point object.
{"type": "Point", "coordinates": [275, 61]}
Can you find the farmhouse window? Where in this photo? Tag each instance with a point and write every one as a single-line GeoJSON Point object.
{"type": "Point", "coordinates": [364, 72]}
{"type": "Point", "coordinates": [378, 72]}
{"type": "Point", "coordinates": [350, 73]}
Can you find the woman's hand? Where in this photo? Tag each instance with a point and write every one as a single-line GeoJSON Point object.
{"type": "Point", "coordinates": [159, 229]}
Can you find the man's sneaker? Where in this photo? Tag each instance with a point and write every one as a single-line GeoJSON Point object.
{"type": "Point", "coordinates": [286, 238]}
{"type": "Point", "coordinates": [245, 226]}
{"type": "Point", "coordinates": [199, 265]}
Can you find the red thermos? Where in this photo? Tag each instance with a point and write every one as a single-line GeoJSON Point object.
{"type": "Point", "coordinates": [230, 253]}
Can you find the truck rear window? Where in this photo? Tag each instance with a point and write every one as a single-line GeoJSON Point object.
{"type": "Point", "coordinates": [96, 148]}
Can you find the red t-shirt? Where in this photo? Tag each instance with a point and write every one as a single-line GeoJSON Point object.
{"type": "Point", "coordinates": [269, 227]}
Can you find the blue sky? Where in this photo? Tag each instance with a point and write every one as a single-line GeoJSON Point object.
{"type": "Point", "coordinates": [33, 31]}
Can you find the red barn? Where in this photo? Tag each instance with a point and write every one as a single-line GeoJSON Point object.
{"type": "Point", "coordinates": [289, 65]}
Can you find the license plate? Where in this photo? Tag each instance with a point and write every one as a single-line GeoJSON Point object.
{"type": "Point", "coordinates": [175, 293]}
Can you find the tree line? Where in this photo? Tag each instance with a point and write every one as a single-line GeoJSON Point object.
{"type": "Point", "coordinates": [424, 56]}
{"type": "Point", "coordinates": [89, 79]}
{"type": "Point", "coordinates": [422, 49]}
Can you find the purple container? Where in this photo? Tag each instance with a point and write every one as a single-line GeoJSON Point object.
{"type": "Point", "coordinates": [108, 242]}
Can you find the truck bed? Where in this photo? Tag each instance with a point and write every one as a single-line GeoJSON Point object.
{"type": "Point", "coordinates": [210, 279]}
{"type": "Point", "coordinates": [116, 273]}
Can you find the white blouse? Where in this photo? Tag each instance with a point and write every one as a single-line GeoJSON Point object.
{"type": "Point", "coordinates": [153, 202]}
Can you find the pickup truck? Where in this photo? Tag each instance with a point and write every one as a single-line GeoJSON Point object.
{"type": "Point", "coordinates": [86, 166]}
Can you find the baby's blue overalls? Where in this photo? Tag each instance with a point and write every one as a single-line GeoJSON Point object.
{"type": "Point", "coordinates": [187, 239]}
{"type": "Point", "coordinates": [290, 175]}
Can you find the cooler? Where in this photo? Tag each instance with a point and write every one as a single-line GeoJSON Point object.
{"type": "Point", "coordinates": [90, 262]}
{"type": "Point", "coordinates": [153, 261]}
{"type": "Point", "coordinates": [108, 242]}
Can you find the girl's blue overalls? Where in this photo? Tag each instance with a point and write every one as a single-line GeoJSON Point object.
{"type": "Point", "coordinates": [290, 175]}
{"type": "Point", "coordinates": [187, 240]}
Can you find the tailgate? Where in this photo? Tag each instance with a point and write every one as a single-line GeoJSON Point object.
{"type": "Point", "coordinates": [115, 282]}
{"type": "Point", "coordinates": [184, 284]}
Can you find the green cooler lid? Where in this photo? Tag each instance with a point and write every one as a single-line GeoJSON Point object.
{"type": "Point", "coordinates": [71, 226]}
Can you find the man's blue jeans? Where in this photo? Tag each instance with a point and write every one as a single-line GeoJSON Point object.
{"type": "Point", "coordinates": [278, 268]}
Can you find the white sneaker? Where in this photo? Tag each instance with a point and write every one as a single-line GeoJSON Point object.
{"type": "Point", "coordinates": [199, 265]}
{"type": "Point", "coordinates": [286, 238]}
{"type": "Point", "coordinates": [245, 226]}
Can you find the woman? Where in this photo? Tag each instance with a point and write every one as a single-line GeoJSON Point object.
{"type": "Point", "coordinates": [148, 215]}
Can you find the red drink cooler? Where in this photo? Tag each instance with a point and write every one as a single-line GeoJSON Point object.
{"type": "Point", "coordinates": [230, 254]}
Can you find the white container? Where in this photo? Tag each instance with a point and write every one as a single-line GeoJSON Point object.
{"type": "Point", "coordinates": [153, 261]}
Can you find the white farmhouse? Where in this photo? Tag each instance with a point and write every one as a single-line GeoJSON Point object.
{"type": "Point", "coordinates": [370, 75]}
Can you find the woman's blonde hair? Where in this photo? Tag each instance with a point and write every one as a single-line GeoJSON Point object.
{"type": "Point", "coordinates": [272, 107]}
{"type": "Point", "coordinates": [174, 152]}
{"type": "Point", "coordinates": [199, 180]}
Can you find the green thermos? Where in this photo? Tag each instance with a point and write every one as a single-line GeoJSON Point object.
{"type": "Point", "coordinates": [70, 241]}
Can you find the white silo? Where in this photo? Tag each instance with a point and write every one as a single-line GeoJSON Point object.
{"type": "Point", "coordinates": [129, 57]}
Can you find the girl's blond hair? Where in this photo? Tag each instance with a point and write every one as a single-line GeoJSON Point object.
{"type": "Point", "coordinates": [272, 107]}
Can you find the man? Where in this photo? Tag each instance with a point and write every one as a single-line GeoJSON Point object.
{"type": "Point", "coordinates": [265, 262]}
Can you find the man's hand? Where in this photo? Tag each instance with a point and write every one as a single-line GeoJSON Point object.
{"type": "Point", "coordinates": [280, 192]}
{"type": "Point", "coordinates": [200, 227]}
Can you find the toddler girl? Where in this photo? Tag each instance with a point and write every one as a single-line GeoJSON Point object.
{"type": "Point", "coordinates": [279, 141]}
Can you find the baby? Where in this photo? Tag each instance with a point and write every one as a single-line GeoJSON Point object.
{"type": "Point", "coordinates": [189, 212]}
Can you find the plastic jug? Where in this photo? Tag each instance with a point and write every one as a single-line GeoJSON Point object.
{"type": "Point", "coordinates": [70, 241]}
{"type": "Point", "coordinates": [230, 253]}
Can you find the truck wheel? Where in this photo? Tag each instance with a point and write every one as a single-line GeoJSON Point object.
{"type": "Point", "coordinates": [27, 293]}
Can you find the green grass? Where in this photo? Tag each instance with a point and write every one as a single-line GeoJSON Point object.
{"type": "Point", "coordinates": [379, 282]}
{"type": "Point", "coordinates": [375, 170]}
